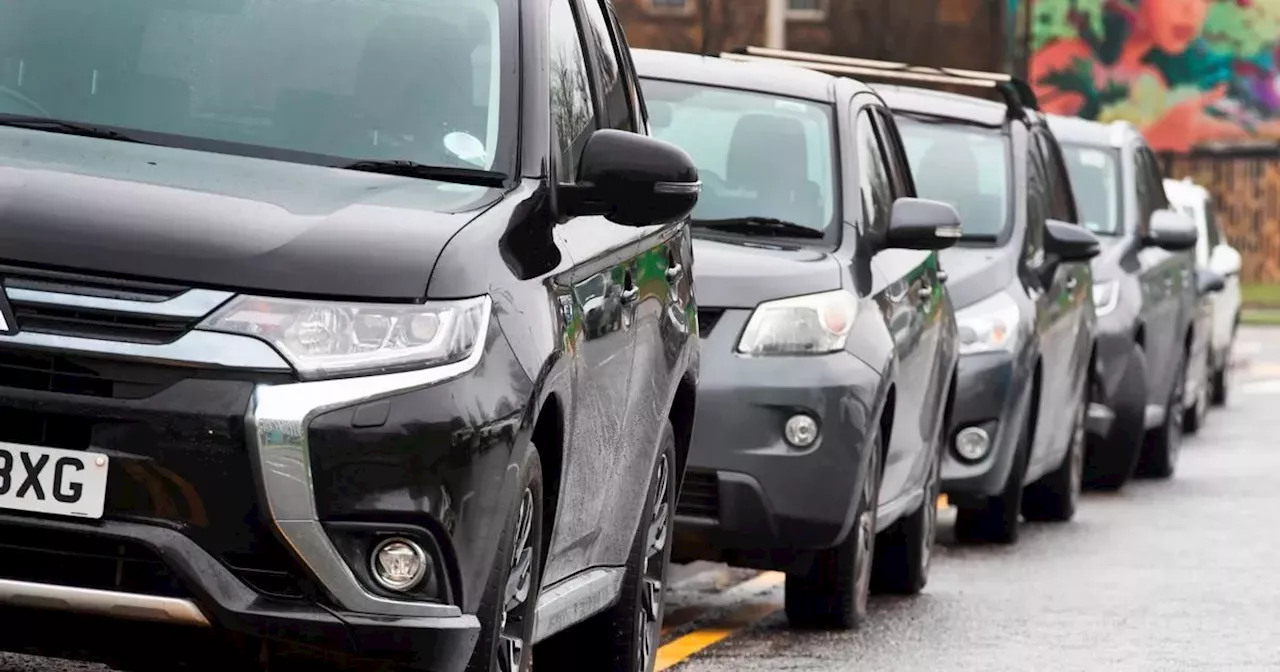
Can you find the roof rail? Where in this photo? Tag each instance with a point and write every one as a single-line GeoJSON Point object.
{"type": "Point", "coordinates": [1017, 94]}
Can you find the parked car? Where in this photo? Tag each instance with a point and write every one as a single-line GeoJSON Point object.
{"type": "Point", "coordinates": [334, 379]}
{"type": "Point", "coordinates": [1145, 295]}
{"type": "Point", "coordinates": [1020, 280]}
{"type": "Point", "coordinates": [1215, 255]}
{"type": "Point", "coordinates": [828, 340]}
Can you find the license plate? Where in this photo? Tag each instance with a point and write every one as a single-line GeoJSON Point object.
{"type": "Point", "coordinates": [53, 481]}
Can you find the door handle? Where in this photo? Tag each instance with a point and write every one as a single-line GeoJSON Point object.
{"type": "Point", "coordinates": [675, 272]}
{"type": "Point", "coordinates": [629, 295]}
{"type": "Point", "coordinates": [1072, 281]}
{"type": "Point", "coordinates": [942, 275]}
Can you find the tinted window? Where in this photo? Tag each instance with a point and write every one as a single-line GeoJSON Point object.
{"type": "Point", "coordinates": [966, 166]}
{"type": "Point", "coordinates": [1155, 181]}
{"type": "Point", "coordinates": [616, 105]}
{"type": "Point", "coordinates": [1059, 185]}
{"type": "Point", "coordinates": [895, 159]}
{"type": "Point", "coordinates": [1214, 234]}
{"type": "Point", "coordinates": [1095, 180]}
{"type": "Point", "coordinates": [346, 78]}
{"type": "Point", "coordinates": [1038, 196]}
{"type": "Point", "coordinates": [757, 155]}
{"type": "Point", "coordinates": [874, 180]}
{"type": "Point", "coordinates": [572, 111]}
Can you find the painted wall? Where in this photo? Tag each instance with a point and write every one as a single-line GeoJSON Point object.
{"type": "Point", "coordinates": [1187, 72]}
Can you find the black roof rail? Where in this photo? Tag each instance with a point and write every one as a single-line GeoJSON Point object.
{"type": "Point", "coordinates": [1017, 94]}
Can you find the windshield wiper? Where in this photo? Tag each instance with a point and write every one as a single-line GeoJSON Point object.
{"type": "Point", "coordinates": [404, 168]}
{"type": "Point", "coordinates": [66, 127]}
{"type": "Point", "coordinates": [759, 225]}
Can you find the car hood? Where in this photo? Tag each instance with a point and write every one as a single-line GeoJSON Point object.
{"type": "Point", "coordinates": [742, 274]}
{"type": "Point", "coordinates": [219, 220]}
{"type": "Point", "coordinates": [974, 273]}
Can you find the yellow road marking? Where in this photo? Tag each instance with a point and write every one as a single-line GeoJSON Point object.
{"type": "Point", "coordinates": [675, 652]}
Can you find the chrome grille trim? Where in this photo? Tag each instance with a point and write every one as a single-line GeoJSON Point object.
{"type": "Point", "coordinates": [192, 304]}
{"type": "Point", "coordinates": [195, 348]}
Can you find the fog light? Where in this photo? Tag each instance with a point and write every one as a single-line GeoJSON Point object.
{"type": "Point", "coordinates": [398, 564]}
{"type": "Point", "coordinates": [801, 431]}
{"type": "Point", "coordinates": [972, 443]}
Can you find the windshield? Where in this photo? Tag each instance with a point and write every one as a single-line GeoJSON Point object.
{"type": "Point", "coordinates": [360, 79]}
{"type": "Point", "coordinates": [964, 165]}
{"type": "Point", "coordinates": [758, 155]}
{"type": "Point", "coordinates": [1095, 179]}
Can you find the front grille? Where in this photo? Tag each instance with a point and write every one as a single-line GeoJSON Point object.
{"type": "Point", "coordinates": [707, 318]}
{"type": "Point", "coordinates": [700, 495]}
{"type": "Point", "coordinates": [65, 320]}
{"type": "Point", "coordinates": [87, 376]}
{"type": "Point", "coordinates": [68, 559]}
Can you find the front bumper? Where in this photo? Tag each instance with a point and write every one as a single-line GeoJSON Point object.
{"type": "Point", "coordinates": [993, 392]}
{"type": "Point", "coordinates": [241, 503]}
{"type": "Point", "coordinates": [750, 498]}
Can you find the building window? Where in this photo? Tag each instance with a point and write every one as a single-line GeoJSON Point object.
{"type": "Point", "coordinates": [807, 9]}
{"type": "Point", "coordinates": [671, 6]}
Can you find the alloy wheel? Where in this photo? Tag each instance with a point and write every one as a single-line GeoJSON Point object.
{"type": "Point", "coordinates": [512, 647]}
{"type": "Point", "coordinates": [653, 570]}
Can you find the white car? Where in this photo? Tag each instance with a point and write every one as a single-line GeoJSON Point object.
{"type": "Point", "coordinates": [1214, 253]}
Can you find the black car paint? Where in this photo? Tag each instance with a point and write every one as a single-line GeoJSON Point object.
{"type": "Point", "coordinates": [753, 500]}
{"type": "Point", "coordinates": [592, 384]}
{"type": "Point", "coordinates": [1158, 298]}
{"type": "Point", "coordinates": [996, 390]}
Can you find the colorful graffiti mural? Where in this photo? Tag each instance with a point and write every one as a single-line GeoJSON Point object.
{"type": "Point", "coordinates": [1186, 72]}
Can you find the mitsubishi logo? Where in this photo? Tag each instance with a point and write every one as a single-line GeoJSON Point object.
{"type": "Point", "coordinates": [8, 326]}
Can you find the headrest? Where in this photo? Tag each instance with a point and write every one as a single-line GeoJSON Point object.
{"type": "Point", "coordinates": [767, 148]}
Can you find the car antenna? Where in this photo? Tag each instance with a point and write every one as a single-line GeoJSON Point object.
{"type": "Point", "coordinates": [1017, 94]}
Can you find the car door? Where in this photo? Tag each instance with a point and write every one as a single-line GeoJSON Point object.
{"type": "Point", "coordinates": [1065, 350]}
{"type": "Point", "coordinates": [1226, 304]}
{"type": "Point", "coordinates": [911, 303]}
{"type": "Point", "coordinates": [659, 314]}
{"type": "Point", "coordinates": [1164, 275]}
{"type": "Point", "coordinates": [604, 294]}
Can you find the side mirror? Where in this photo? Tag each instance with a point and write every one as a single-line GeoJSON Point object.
{"type": "Point", "coordinates": [921, 224]}
{"type": "Point", "coordinates": [1171, 230]}
{"type": "Point", "coordinates": [1209, 281]}
{"type": "Point", "coordinates": [633, 180]}
{"type": "Point", "coordinates": [1068, 242]}
{"type": "Point", "coordinates": [1225, 261]}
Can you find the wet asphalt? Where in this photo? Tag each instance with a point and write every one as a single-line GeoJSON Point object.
{"type": "Point", "coordinates": [1164, 576]}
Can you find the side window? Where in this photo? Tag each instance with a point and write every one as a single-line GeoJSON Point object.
{"type": "Point", "coordinates": [894, 155]}
{"type": "Point", "coordinates": [873, 176]}
{"type": "Point", "coordinates": [1142, 184]}
{"type": "Point", "coordinates": [573, 115]}
{"type": "Point", "coordinates": [1038, 195]}
{"type": "Point", "coordinates": [638, 109]}
{"type": "Point", "coordinates": [617, 104]}
{"type": "Point", "coordinates": [1061, 206]}
{"type": "Point", "coordinates": [1159, 200]}
{"type": "Point", "coordinates": [1213, 233]}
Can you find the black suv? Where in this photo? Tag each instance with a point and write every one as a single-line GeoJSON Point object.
{"type": "Point", "coordinates": [343, 328]}
{"type": "Point", "coordinates": [828, 339]}
{"type": "Point", "coordinates": [1021, 284]}
{"type": "Point", "coordinates": [1145, 293]}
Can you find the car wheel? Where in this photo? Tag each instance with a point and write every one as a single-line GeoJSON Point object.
{"type": "Point", "coordinates": [1220, 383]}
{"type": "Point", "coordinates": [833, 592]}
{"type": "Point", "coordinates": [996, 521]}
{"type": "Point", "coordinates": [903, 552]}
{"type": "Point", "coordinates": [1110, 460]}
{"type": "Point", "coordinates": [1193, 418]}
{"type": "Point", "coordinates": [511, 595]}
{"type": "Point", "coordinates": [626, 637]}
{"type": "Point", "coordinates": [1054, 497]}
{"type": "Point", "coordinates": [1162, 445]}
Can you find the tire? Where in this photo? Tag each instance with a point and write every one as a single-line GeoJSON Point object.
{"type": "Point", "coordinates": [833, 592]}
{"type": "Point", "coordinates": [1193, 418]}
{"type": "Point", "coordinates": [997, 520]}
{"type": "Point", "coordinates": [904, 551]}
{"type": "Point", "coordinates": [625, 638]}
{"type": "Point", "coordinates": [1219, 383]}
{"type": "Point", "coordinates": [1110, 461]}
{"type": "Point", "coordinates": [1162, 445]}
{"type": "Point", "coordinates": [506, 608]}
{"type": "Point", "coordinates": [1055, 496]}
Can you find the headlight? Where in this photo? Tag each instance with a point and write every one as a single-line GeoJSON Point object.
{"type": "Point", "coordinates": [1106, 296]}
{"type": "Point", "coordinates": [989, 325]}
{"type": "Point", "coordinates": [322, 339]}
{"type": "Point", "coordinates": [800, 325]}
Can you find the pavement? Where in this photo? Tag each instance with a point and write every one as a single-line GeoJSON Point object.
{"type": "Point", "coordinates": [1162, 577]}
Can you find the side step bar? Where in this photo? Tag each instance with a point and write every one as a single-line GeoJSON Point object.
{"type": "Point", "coordinates": [130, 606]}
